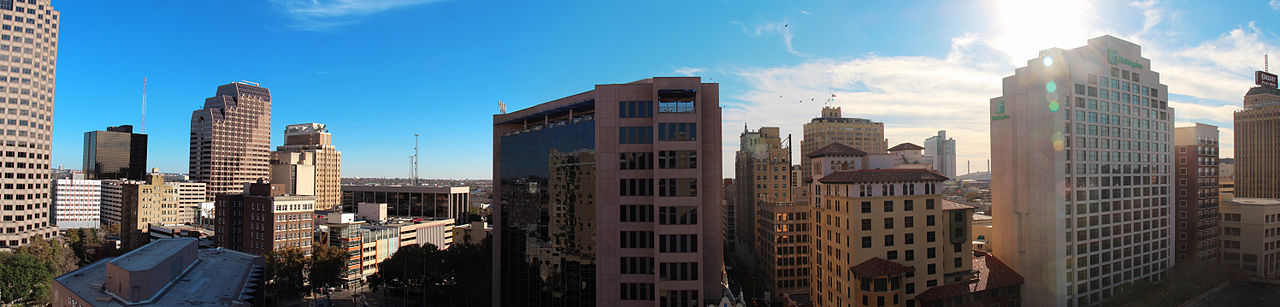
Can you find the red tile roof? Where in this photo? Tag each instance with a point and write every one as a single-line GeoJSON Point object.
{"type": "Point", "coordinates": [883, 175]}
{"type": "Point", "coordinates": [951, 205]}
{"type": "Point", "coordinates": [879, 267]}
{"type": "Point", "coordinates": [992, 274]}
{"type": "Point", "coordinates": [906, 146]}
{"type": "Point", "coordinates": [837, 149]}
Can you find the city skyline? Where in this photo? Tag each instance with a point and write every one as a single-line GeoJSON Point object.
{"type": "Point", "coordinates": [885, 65]}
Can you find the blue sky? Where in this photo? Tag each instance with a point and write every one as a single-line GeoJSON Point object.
{"type": "Point", "coordinates": [377, 71]}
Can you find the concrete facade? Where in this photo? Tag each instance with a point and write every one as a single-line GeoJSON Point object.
{"type": "Point", "coordinates": [1251, 235]}
{"type": "Point", "coordinates": [762, 176]}
{"type": "Point", "coordinates": [941, 152]}
{"type": "Point", "coordinates": [1081, 178]}
{"type": "Point", "coordinates": [606, 247]}
{"type": "Point", "coordinates": [231, 139]}
{"type": "Point", "coordinates": [1256, 144]}
{"type": "Point", "coordinates": [1196, 223]}
{"type": "Point", "coordinates": [77, 203]}
{"type": "Point", "coordinates": [25, 203]}
{"type": "Point", "coordinates": [315, 143]}
{"type": "Point", "coordinates": [861, 134]}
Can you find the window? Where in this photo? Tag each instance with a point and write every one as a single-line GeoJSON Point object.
{"type": "Point", "coordinates": [866, 207]}
{"type": "Point", "coordinates": [636, 239]}
{"type": "Point", "coordinates": [637, 292]}
{"type": "Point", "coordinates": [678, 187]}
{"type": "Point", "coordinates": [928, 204]}
{"type": "Point", "coordinates": [888, 223]}
{"type": "Point", "coordinates": [635, 187]}
{"type": "Point", "coordinates": [866, 242]}
{"type": "Point", "coordinates": [636, 213]}
{"type": "Point", "coordinates": [909, 221]}
{"type": "Point", "coordinates": [637, 265]}
{"type": "Point", "coordinates": [676, 101]}
{"type": "Point", "coordinates": [930, 237]}
{"type": "Point", "coordinates": [929, 221]}
{"type": "Point", "coordinates": [678, 215]}
{"type": "Point", "coordinates": [678, 271]}
{"type": "Point", "coordinates": [678, 243]}
{"type": "Point", "coordinates": [888, 206]}
{"type": "Point", "coordinates": [677, 131]}
{"type": "Point", "coordinates": [635, 135]}
{"type": "Point", "coordinates": [635, 109]}
{"type": "Point", "coordinates": [866, 224]}
{"type": "Point", "coordinates": [908, 205]}
{"type": "Point", "coordinates": [888, 240]}
{"type": "Point", "coordinates": [670, 159]}
{"type": "Point", "coordinates": [635, 160]}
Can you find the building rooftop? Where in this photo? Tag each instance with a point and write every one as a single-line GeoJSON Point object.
{"type": "Point", "coordinates": [883, 175]}
{"type": "Point", "coordinates": [906, 146]}
{"type": "Point", "coordinates": [951, 205]}
{"type": "Point", "coordinates": [879, 267]}
{"type": "Point", "coordinates": [992, 274]}
{"type": "Point", "coordinates": [837, 149]}
{"type": "Point", "coordinates": [146, 257]}
{"type": "Point", "coordinates": [404, 189]}
{"type": "Point", "coordinates": [1255, 201]}
{"type": "Point", "coordinates": [221, 277]}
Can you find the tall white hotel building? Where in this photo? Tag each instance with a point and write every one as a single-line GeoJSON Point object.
{"type": "Point", "coordinates": [1081, 144]}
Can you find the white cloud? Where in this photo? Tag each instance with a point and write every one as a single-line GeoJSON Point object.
{"type": "Point", "coordinates": [1275, 5]}
{"type": "Point", "coordinates": [915, 95]}
{"type": "Point", "coordinates": [315, 15]}
{"type": "Point", "coordinates": [780, 28]}
{"type": "Point", "coordinates": [689, 71]}
{"type": "Point", "coordinates": [807, 12]}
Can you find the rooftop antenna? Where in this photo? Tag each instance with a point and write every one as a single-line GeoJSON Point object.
{"type": "Point", "coordinates": [502, 107]}
{"type": "Point", "coordinates": [1266, 63]}
{"type": "Point", "coordinates": [144, 105]}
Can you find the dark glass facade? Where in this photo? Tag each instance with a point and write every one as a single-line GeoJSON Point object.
{"type": "Point", "coordinates": [548, 174]}
{"type": "Point", "coordinates": [410, 201]}
{"type": "Point", "coordinates": [114, 154]}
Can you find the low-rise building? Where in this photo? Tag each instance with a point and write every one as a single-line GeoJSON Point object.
{"type": "Point", "coordinates": [369, 243]}
{"type": "Point", "coordinates": [473, 233]}
{"type": "Point", "coordinates": [435, 202]}
{"type": "Point", "coordinates": [169, 272]}
{"type": "Point", "coordinates": [1251, 235]}
{"type": "Point", "coordinates": [264, 219]}
{"type": "Point", "coordinates": [994, 284]}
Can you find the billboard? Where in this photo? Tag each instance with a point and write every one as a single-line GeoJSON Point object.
{"type": "Point", "coordinates": [1266, 79]}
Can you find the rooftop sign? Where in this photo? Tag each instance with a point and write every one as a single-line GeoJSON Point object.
{"type": "Point", "coordinates": [1114, 58]}
{"type": "Point", "coordinates": [1264, 79]}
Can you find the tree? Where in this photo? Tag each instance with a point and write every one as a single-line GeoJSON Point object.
{"type": "Point", "coordinates": [285, 274]}
{"type": "Point", "coordinates": [327, 265]}
{"type": "Point", "coordinates": [458, 276]}
{"type": "Point", "coordinates": [24, 279]}
{"type": "Point", "coordinates": [53, 252]}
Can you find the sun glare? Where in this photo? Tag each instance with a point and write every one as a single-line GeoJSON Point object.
{"type": "Point", "coordinates": [1024, 27]}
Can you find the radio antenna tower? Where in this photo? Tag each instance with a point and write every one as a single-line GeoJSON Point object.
{"type": "Point", "coordinates": [144, 105]}
{"type": "Point", "coordinates": [414, 159]}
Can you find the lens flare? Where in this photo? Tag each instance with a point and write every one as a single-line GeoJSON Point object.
{"type": "Point", "coordinates": [1051, 87]}
{"type": "Point", "coordinates": [1048, 60]}
{"type": "Point", "coordinates": [1058, 144]}
{"type": "Point", "coordinates": [1053, 106]}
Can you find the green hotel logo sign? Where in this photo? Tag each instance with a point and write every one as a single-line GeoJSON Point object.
{"type": "Point", "coordinates": [1114, 58]}
{"type": "Point", "coordinates": [999, 112]}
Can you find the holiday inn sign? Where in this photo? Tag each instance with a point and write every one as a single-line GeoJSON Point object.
{"type": "Point", "coordinates": [1114, 58]}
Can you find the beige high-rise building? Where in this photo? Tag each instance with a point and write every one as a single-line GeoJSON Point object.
{"type": "Point", "coordinates": [861, 134]}
{"type": "Point", "coordinates": [314, 144]}
{"type": "Point", "coordinates": [295, 171]}
{"type": "Point", "coordinates": [1196, 223]}
{"type": "Point", "coordinates": [762, 167]}
{"type": "Point", "coordinates": [263, 219]}
{"type": "Point", "coordinates": [26, 202]}
{"type": "Point", "coordinates": [146, 203]}
{"type": "Point", "coordinates": [882, 233]}
{"type": "Point", "coordinates": [231, 138]}
{"type": "Point", "coordinates": [1251, 235]}
{"type": "Point", "coordinates": [1256, 145]}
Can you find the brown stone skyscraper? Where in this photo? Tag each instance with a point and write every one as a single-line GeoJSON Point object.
{"type": "Point", "coordinates": [1258, 141]}
{"type": "Point", "coordinates": [610, 197]}
{"type": "Point", "coordinates": [231, 138]}
{"type": "Point", "coordinates": [1196, 222]}
{"type": "Point", "coordinates": [29, 113]}
{"type": "Point", "coordinates": [861, 134]}
{"type": "Point", "coordinates": [317, 144]}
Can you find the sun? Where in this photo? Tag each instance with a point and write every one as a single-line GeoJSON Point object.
{"type": "Point", "coordinates": [1024, 27]}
